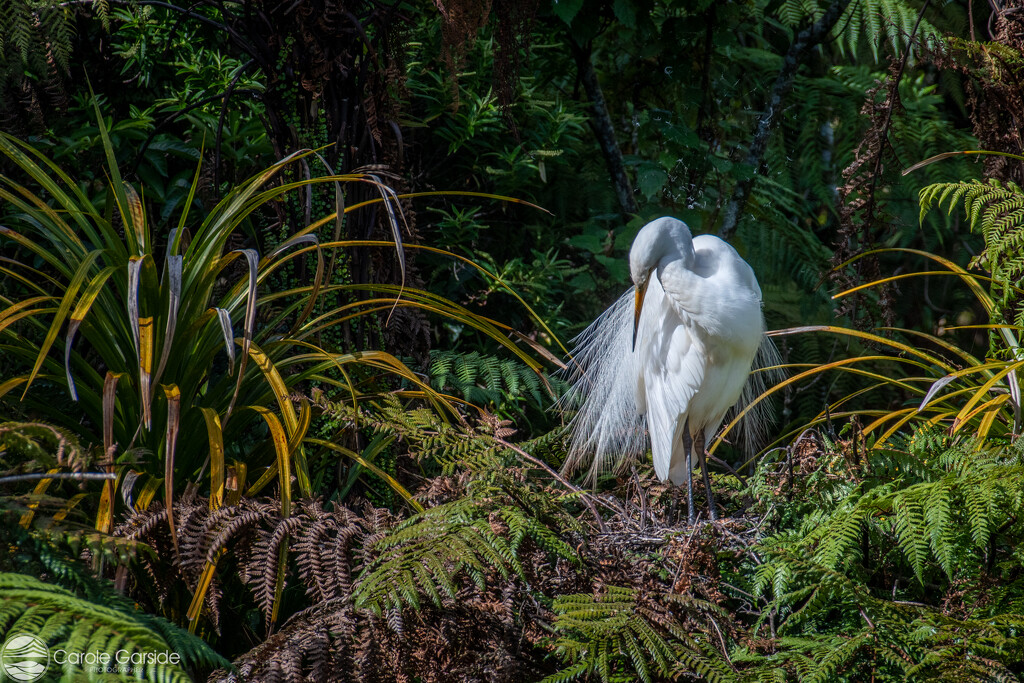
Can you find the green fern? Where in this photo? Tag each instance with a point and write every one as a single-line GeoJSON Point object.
{"type": "Point", "coordinates": [430, 553]}
{"type": "Point", "coordinates": [996, 210]}
{"type": "Point", "coordinates": [835, 629]}
{"type": "Point", "coordinates": [478, 527]}
{"type": "Point", "coordinates": [928, 511]}
{"type": "Point", "coordinates": [616, 637]}
{"type": "Point", "coordinates": [870, 22]}
{"type": "Point", "coordinates": [938, 515]}
{"type": "Point", "coordinates": [485, 380]}
{"type": "Point", "coordinates": [427, 553]}
{"type": "Point", "coordinates": [33, 32]}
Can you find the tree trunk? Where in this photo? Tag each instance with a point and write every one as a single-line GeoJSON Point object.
{"type": "Point", "coordinates": [604, 131]}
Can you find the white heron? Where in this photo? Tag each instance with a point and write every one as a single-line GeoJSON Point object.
{"type": "Point", "coordinates": [675, 352]}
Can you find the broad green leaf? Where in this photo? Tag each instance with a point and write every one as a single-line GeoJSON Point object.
{"type": "Point", "coordinates": [173, 396]}
{"type": "Point", "coordinates": [82, 310]}
{"type": "Point", "coordinates": [62, 311]}
{"type": "Point", "coordinates": [216, 438]}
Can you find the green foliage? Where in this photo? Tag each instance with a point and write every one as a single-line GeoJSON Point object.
{"type": "Point", "coordinates": [179, 96]}
{"type": "Point", "coordinates": [35, 443]}
{"type": "Point", "coordinates": [997, 211]}
{"type": "Point", "coordinates": [63, 621]}
{"type": "Point", "coordinates": [529, 147]}
{"type": "Point", "coordinates": [929, 377]}
{"type": "Point", "coordinates": [428, 554]}
{"type": "Point", "coordinates": [36, 35]}
{"type": "Point", "coordinates": [879, 555]}
{"type": "Point", "coordinates": [872, 23]}
{"type": "Point", "coordinates": [164, 348]}
{"type": "Point", "coordinates": [937, 504]}
{"type": "Point", "coordinates": [613, 636]}
{"type": "Point", "coordinates": [892, 537]}
{"type": "Point", "coordinates": [503, 385]}
{"type": "Point", "coordinates": [889, 557]}
{"type": "Point", "coordinates": [480, 534]}
{"type": "Point", "coordinates": [171, 407]}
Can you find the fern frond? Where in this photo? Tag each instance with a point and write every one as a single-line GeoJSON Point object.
{"type": "Point", "coordinates": [428, 554]}
{"type": "Point", "coordinates": [485, 380]}
{"type": "Point", "coordinates": [613, 634]}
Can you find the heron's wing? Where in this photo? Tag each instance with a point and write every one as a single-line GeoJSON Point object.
{"type": "Point", "coordinates": [672, 365]}
{"type": "Point", "coordinates": [721, 296]}
{"type": "Point", "coordinates": [714, 256]}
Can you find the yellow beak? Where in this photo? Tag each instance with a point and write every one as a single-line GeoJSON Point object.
{"type": "Point", "coordinates": [641, 290]}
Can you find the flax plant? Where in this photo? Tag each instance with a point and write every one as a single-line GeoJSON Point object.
{"type": "Point", "coordinates": [149, 344]}
{"type": "Point", "coordinates": [942, 384]}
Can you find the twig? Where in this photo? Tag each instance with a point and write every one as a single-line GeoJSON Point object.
{"type": "Point", "coordinates": [732, 471]}
{"type": "Point", "coordinates": [911, 603]}
{"type": "Point", "coordinates": [679, 567]}
{"type": "Point", "coordinates": [725, 648]}
{"type": "Point", "coordinates": [739, 590]}
{"type": "Point", "coordinates": [642, 494]}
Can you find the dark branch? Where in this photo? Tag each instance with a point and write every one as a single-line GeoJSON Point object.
{"type": "Point", "coordinates": [604, 131]}
{"type": "Point", "coordinates": [805, 40]}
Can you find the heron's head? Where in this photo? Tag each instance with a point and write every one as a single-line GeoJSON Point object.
{"type": "Point", "coordinates": [664, 238]}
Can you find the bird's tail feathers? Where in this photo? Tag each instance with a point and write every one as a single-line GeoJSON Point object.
{"type": "Point", "coordinates": [607, 429]}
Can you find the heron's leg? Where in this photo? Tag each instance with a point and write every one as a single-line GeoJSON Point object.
{"type": "Point", "coordinates": [698, 444]}
{"type": "Point", "coordinates": [691, 510]}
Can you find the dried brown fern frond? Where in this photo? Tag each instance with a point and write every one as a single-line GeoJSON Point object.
{"type": "Point", "coordinates": [995, 89]}
{"type": "Point", "coordinates": [312, 646]}
{"type": "Point", "coordinates": [461, 21]}
{"type": "Point", "coordinates": [481, 637]}
{"type": "Point", "coordinates": [863, 219]}
{"type": "Point", "coordinates": [326, 546]}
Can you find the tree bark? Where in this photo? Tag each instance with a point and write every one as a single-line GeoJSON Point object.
{"type": "Point", "coordinates": [805, 40]}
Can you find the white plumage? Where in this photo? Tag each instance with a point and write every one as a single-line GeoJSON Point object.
{"type": "Point", "coordinates": [699, 329]}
